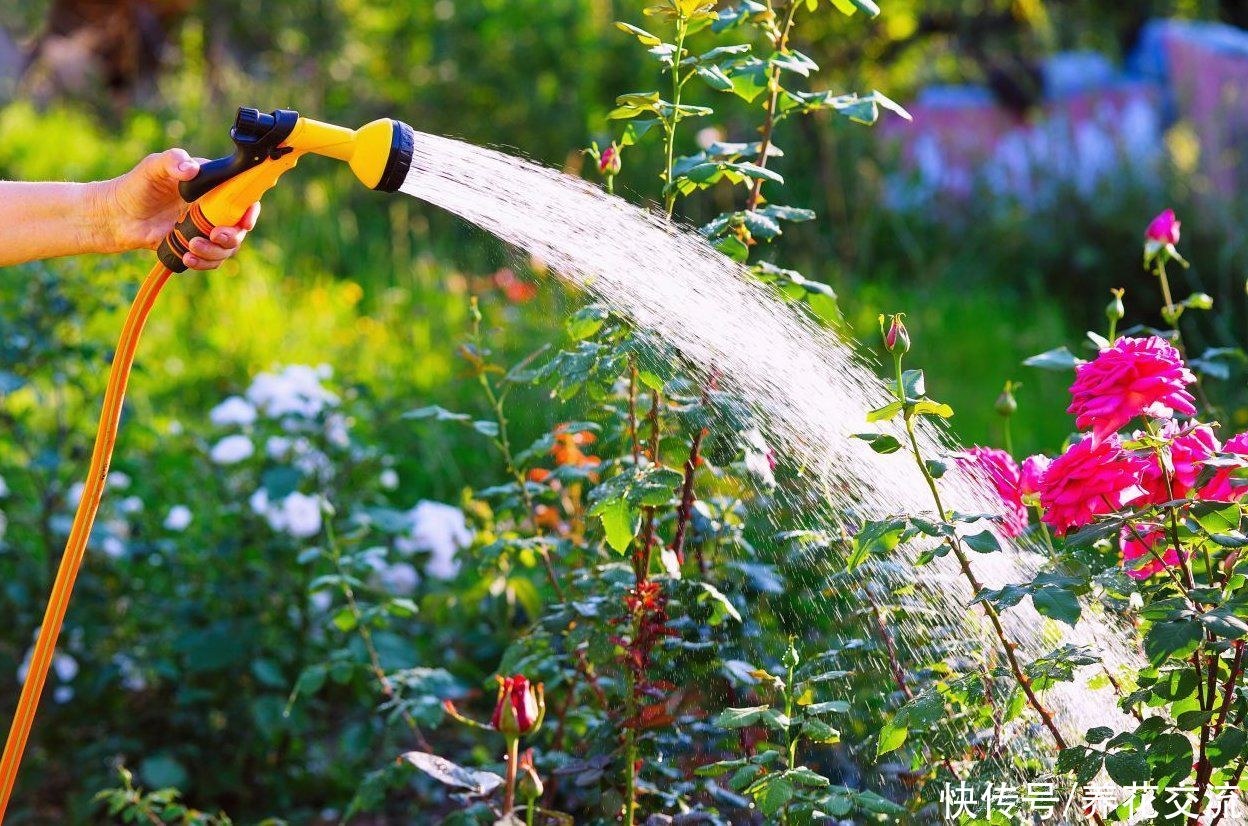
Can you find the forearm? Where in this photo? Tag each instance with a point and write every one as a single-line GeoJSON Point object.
{"type": "Point", "coordinates": [46, 220]}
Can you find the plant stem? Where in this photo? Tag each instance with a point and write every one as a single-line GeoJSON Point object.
{"type": "Point", "coordinates": [685, 513]}
{"type": "Point", "coordinates": [503, 443]}
{"type": "Point", "coordinates": [641, 557]}
{"type": "Point", "coordinates": [669, 201]}
{"type": "Point", "coordinates": [366, 635]}
{"type": "Point", "coordinates": [955, 545]}
{"type": "Point", "coordinates": [781, 44]}
{"type": "Point", "coordinates": [513, 758]}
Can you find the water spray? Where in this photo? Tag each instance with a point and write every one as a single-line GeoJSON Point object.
{"type": "Point", "coordinates": [266, 146]}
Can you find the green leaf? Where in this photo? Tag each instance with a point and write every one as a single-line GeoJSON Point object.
{"type": "Point", "coordinates": [1056, 359]}
{"type": "Point", "coordinates": [1224, 623]}
{"type": "Point", "coordinates": [883, 414]}
{"type": "Point", "coordinates": [619, 521]}
{"type": "Point", "coordinates": [820, 732]}
{"type": "Point", "coordinates": [892, 735]}
{"type": "Point", "coordinates": [773, 796]}
{"type": "Point", "coordinates": [715, 78]}
{"type": "Point", "coordinates": [1226, 747]}
{"type": "Point", "coordinates": [734, 718]}
{"type": "Point", "coordinates": [644, 36]}
{"type": "Point", "coordinates": [1057, 603]}
{"type": "Point", "coordinates": [444, 771]}
{"type": "Point", "coordinates": [927, 407]}
{"type": "Point", "coordinates": [876, 538]}
{"type": "Point", "coordinates": [1172, 639]}
{"type": "Point", "coordinates": [848, 7]}
{"type": "Point", "coordinates": [984, 542]}
{"type": "Point", "coordinates": [880, 442]}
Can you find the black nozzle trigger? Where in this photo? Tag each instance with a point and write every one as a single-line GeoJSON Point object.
{"type": "Point", "coordinates": [257, 137]}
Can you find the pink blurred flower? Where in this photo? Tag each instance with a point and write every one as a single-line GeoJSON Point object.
{"type": "Point", "coordinates": [610, 162]}
{"type": "Point", "coordinates": [1188, 450]}
{"type": "Point", "coordinates": [517, 290]}
{"type": "Point", "coordinates": [1087, 480]}
{"type": "Point", "coordinates": [1032, 474]}
{"type": "Point", "coordinates": [999, 468]}
{"type": "Point", "coordinates": [1164, 229]}
{"type": "Point", "coordinates": [1138, 560]}
{"type": "Point", "coordinates": [1219, 488]}
{"type": "Point", "coordinates": [1134, 376]}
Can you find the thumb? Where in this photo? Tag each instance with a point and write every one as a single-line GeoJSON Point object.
{"type": "Point", "coordinates": [172, 163]}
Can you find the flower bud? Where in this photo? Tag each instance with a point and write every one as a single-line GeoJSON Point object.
{"type": "Point", "coordinates": [610, 162]}
{"type": "Point", "coordinates": [897, 338]}
{"type": "Point", "coordinates": [528, 782]}
{"type": "Point", "coordinates": [520, 707]}
{"type": "Point", "coordinates": [1164, 229]}
{"type": "Point", "coordinates": [1006, 404]}
{"type": "Point", "coordinates": [1114, 310]}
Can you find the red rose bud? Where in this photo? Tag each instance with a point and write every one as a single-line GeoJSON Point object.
{"type": "Point", "coordinates": [610, 162]}
{"type": "Point", "coordinates": [1164, 229]}
{"type": "Point", "coordinates": [897, 339]}
{"type": "Point", "coordinates": [520, 707]}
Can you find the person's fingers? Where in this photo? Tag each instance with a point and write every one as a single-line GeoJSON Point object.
{"type": "Point", "coordinates": [178, 164]}
{"type": "Point", "coordinates": [227, 237]}
{"type": "Point", "coordinates": [197, 263]}
{"type": "Point", "coordinates": [208, 251]}
{"type": "Point", "coordinates": [248, 221]}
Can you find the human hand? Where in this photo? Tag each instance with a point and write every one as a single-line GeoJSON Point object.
{"type": "Point", "coordinates": [142, 206]}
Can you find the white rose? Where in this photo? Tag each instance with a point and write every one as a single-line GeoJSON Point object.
{"type": "Point", "coordinates": [233, 411]}
{"type": "Point", "coordinates": [232, 450]}
{"type": "Point", "coordinates": [178, 519]}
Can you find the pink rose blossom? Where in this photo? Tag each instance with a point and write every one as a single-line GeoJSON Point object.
{"type": "Point", "coordinates": [1219, 488]}
{"type": "Point", "coordinates": [1032, 474]}
{"type": "Point", "coordinates": [1138, 560]}
{"type": "Point", "coordinates": [1134, 376]}
{"type": "Point", "coordinates": [1188, 450]}
{"type": "Point", "coordinates": [999, 467]}
{"type": "Point", "coordinates": [1164, 229]}
{"type": "Point", "coordinates": [1087, 480]}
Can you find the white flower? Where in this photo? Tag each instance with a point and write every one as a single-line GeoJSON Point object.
{"type": "Point", "coordinates": [4, 488]}
{"type": "Point", "coordinates": [232, 449]}
{"type": "Point", "coordinates": [118, 480]}
{"type": "Point", "coordinates": [400, 579]}
{"type": "Point", "coordinates": [175, 428]}
{"type": "Point", "coordinates": [389, 479]}
{"type": "Point", "coordinates": [297, 514]}
{"type": "Point", "coordinates": [337, 430]}
{"type": "Point", "coordinates": [178, 519]}
{"type": "Point", "coordinates": [4, 524]}
{"type": "Point", "coordinates": [295, 391]}
{"type": "Point", "coordinates": [321, 601]}
{"type": "Point", "coordinates": [233, 411]}
{"type": "Point", "coordinates": [130, 505]}
{"type": "Point", "coordinates": [441, 530]}
{"type": "Point", "coordinates": [759, 457]}
{"type": "Point", "coordinates": [65, 666]}
{"type": "Point", "coordinates": [75, 494]}
{"type": "Point", "coordinates": [276, 447]}
{"type": "Point", "coordinates": [302, 515]}
{"type": "Point", "coordinates": [113, 547]}
{"type": "Point", "coordinates": [63, 694]}
{"type": "Point", "coordinates": [132, 678]}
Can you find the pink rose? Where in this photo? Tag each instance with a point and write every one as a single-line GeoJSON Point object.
{"type": "Point", "coordinates": [1135, 376]}
{"type": "Point", "coordinates": [999, 468]}
{"type": "Point", "coordinates": [1188, 451]}
{"type": "Point", "coordinates": [1032, 474]}
{"type": "Point", "coordinates": [1140, 558]}
{"type": "Point", "coordinates": [1219, 488]}
{"type": "Point", "coordinates": [1087, 480]}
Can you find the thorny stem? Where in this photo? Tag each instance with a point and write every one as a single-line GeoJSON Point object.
{"type": "Point", "coordinates": [955, 545]}
{"type": "Point", "coordinates": [686, 493]}
{"type": "Point", "coordinates": [366, 635]}
{"type": "Point", "coordinates": [781, 43]}
{"type": "Point", "coordinates": [894, 662]}
{"type": "Point", "coordinates": [630, 735]}
{"type": "Point", "coordinates": [632, 409]}
{"type": "Point", "coordinates": [641, 556]}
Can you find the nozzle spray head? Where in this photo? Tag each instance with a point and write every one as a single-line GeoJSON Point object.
{"type": "Point", "coordinates": [266, 145]}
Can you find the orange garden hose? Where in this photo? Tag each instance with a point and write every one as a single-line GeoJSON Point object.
{"type": "Point", "coordinates": [76, 545]}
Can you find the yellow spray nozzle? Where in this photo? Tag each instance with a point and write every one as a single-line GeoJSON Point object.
{"type": "Point", "coordinates": [266, 146]}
